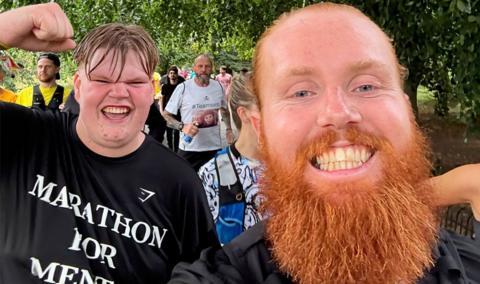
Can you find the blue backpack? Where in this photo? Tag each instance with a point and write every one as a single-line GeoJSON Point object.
{"type": "Point", "coordinates": [231, 207]}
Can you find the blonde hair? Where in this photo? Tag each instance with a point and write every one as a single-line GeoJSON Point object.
{"type": "Point", "coordinates": [240, 95]}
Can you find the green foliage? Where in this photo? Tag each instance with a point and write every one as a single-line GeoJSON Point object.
{"type": "Point", "coordinates": [437, 40]}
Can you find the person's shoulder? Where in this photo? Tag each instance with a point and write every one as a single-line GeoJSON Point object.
{"type": "Point", "coordinates": [251, 256]}
{"type": "Point", "coordinates": [457, 256]}
{"type": "Point", "coordinates": [250, 241]}
{"type": "Point", "coordinates": [66, 90]}
{"type": "Point", "coordinates": [209, 166]}
{"type": "Point", "coordinates": [215, 84]}
{"type": "Point", "coordinates": [8, 95]}
{"type": "Point", "coordinates": [25, 91]}
{"type": "Point", "coordinates": [166, 158]}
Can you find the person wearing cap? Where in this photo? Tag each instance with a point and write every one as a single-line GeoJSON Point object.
{"type": "Point", "coordinates": [5, 95]}
{"type": "Point", "coordinates": [47, 94]}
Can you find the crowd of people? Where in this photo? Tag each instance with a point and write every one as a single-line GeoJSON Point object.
{"type": "Point", "coordinates": [315, 186]}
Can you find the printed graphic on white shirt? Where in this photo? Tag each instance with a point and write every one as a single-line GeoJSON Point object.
{"type": "Point", "coordinates": [206, 118]}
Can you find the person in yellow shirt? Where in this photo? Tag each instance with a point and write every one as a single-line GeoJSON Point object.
{"type": "Point", "coordinates": [5, 95]}
{"type": "Point", "coordinates": [47, 94]}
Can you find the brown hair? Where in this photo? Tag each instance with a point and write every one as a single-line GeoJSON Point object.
{"type": "Point", "coordinates": [119, 39]}
{"type": "Point", "coordinates": [240, 95]}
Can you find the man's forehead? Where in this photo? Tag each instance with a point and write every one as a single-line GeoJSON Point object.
{"type": "Point", "coordinates": [110, 64]}
{"type": "Point", "coordinates": [45, 61]}
{"type": "Point", "coordinates": [203, 61]}
{"type": "Point", "coordinates": [313, 34]}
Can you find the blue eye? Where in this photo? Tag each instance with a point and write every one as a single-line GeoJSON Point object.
{"type": "Point", "coordinates": [301, 94]}
{"type": "Point", "coordinates": [365, 88]}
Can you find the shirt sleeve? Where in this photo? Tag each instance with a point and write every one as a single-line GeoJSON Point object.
{"type": "Point", "coordinates": [212, 267]}
{"type": "Point", "coordinates": [176, 100]}
{"type": "Point", "coordinates": [209, 179]}
{"type": "Point", "coordinates": [198, 231]}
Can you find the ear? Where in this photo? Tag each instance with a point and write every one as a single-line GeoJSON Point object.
{"type": "Point", "coordinates": [255, 120]}
{"type": "Point", "coordinates": [76, 86]}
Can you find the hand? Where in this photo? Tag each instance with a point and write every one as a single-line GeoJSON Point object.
{"type": "Point", "coordinates": [190, 129]}
{"type": "Point", "coordinates": [230, 136]}
{"type": "Point", "coordinates": [42, 27]}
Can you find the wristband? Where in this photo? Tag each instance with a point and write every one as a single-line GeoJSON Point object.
{"type": "Point", "coordinates": [180, 126]}
{"type": "Point", "coordinates": [3, 46]}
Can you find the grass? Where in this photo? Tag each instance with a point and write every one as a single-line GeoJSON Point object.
{"type": "Point", "coordinates": [425, 100]}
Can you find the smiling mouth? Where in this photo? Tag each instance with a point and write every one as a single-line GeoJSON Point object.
{"type": "Point", "coordinates": [116, 112]}
{"type": "Point", "coordinates": [342, 158]}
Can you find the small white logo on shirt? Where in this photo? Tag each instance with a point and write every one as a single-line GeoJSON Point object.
{"type": "Point", "coordinates": [146, 194]}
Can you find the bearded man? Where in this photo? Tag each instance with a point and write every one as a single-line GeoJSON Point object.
{"type": "Point", "coordinates": [191, 100]}
{"type": "Point", "coordinates": [344, 165]}
{"type": "Point", "coordinates": [47, 94]}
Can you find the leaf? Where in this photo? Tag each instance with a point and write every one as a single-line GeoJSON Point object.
{"type": "Point", "coordinates": [463, 7]}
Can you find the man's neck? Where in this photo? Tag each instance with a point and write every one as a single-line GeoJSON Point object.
{"type": "Point", "coordinates": [173, 82]}
{"type": "Point", "coordinates": [49, 84]}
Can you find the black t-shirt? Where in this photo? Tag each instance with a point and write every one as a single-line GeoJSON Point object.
{"type": "Point", "coordinates": [247, 259]}
{"type": "Point", "coordinates": [167, 91]}
{"type": "Point", "coordinates": [68, 215]}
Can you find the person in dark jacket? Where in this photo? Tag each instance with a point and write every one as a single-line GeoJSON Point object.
{"type": "Point", "coordinates": [345, 166]}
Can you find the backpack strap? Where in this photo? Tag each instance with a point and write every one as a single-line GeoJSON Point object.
{"type": "Point", "coordinates": [228, 177]}
{"type": "Point", "coordinates": [221, 87]}
{"type": "Point", "coordinates": [37, 100]}
{"type": "Point", "coordinates": [57, 98]}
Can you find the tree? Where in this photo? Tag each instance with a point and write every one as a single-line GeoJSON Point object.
{"type": "Point", "coordinates": [437, 40]}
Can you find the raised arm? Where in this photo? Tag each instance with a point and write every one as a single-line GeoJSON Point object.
{"type": "Point", "coordinates": [460, 185]}
{"type": "Point", "coordinates": [42, 27]}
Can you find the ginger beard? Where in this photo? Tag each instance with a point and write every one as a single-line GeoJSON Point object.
{"type": "Point", "coordinates": [379, 232]}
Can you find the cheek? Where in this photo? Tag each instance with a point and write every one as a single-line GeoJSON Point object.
{"type": "Point", "coordinates": [284, 130]}
{"type": "Point", "coordinates": [394, 122]}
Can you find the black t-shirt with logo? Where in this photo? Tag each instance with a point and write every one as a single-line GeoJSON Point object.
{"type": "Point", "coordinates": [68, 215]}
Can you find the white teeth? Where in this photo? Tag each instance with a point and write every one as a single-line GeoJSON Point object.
{"type": "Point", "coordinates": [350, 155]}
{"type": "Point", "coordinates": [116, 110]}
{"type": "Point", "coordinates": [343, 158]}
{"type": "Point", "coordinates": [331, 156]}
{"type": "Point", "coordinates": [339, 154]}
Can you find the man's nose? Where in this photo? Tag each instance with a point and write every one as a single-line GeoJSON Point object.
{"type": "Point", "coordinates": [119, 89]}
{"type": "Point", "coordinates": [338, 111]}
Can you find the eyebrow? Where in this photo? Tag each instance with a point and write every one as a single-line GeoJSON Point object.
{"type": "Point", "coordinates": [354, 68]}
{"type": "Point", "coordinates": [368, 64]}
{"type": "Point", "coordinates": [300, 71]}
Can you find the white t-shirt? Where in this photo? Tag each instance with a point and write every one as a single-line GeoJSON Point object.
{"type": "Point", "coordinates": [200, 104]}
